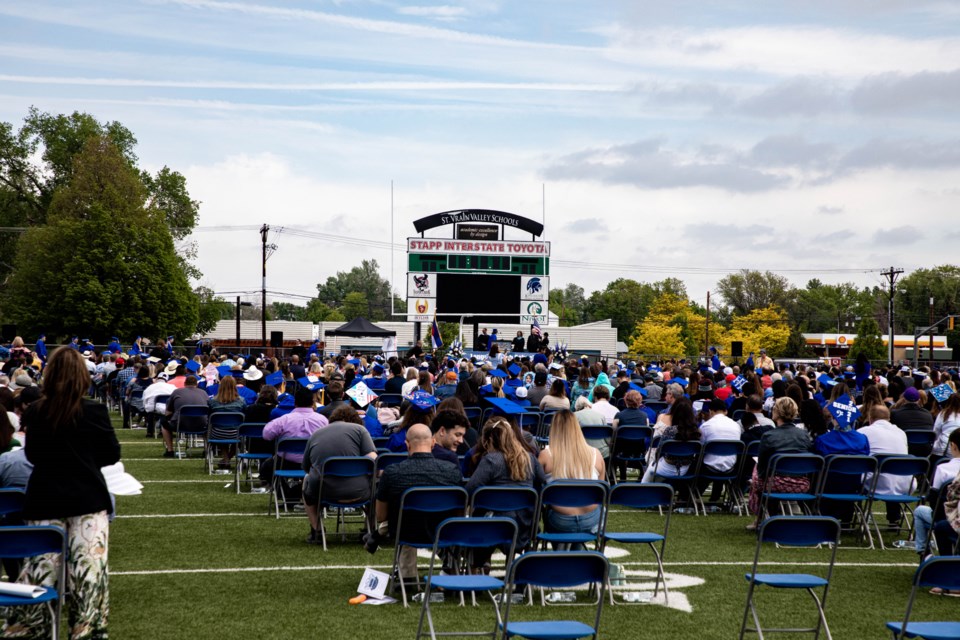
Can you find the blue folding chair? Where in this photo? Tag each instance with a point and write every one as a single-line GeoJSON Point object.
{"type": "Point", "coordinates": [573, 494]}
{"type": "Point", "coordinates": [920, 441]}
{"type": "Point", "coordinates": [249, 434]}
{"type": "Point", "coordinates": [153, 416]}
{"type": "Point", "coordinates": [285, 446]}
{"type": "Point", "coordinates": [191, 421]}
{"type": "Point", "coordinates": [942, 572]}
{"type": "Point", "coordinates": [11, 501]}
{"type": "Point", "coordinates": [721, 479]}
{"type": "Point", "coordinates": [598, 432]}
{"type": "Point", "coordinates": [30, 541]}
{"type": "Point", "coordinates": [223, 430]}
{"type": "Point", "coordinates": [850, 471]}
{"type": "Point", "coordinates": [421, 504]}
{"type": "Point", "coordinates": [474, 415]}
{"type": "Point", "coordinates": [628, 450]}
{"type": "Point", "coordinates": [340, 468]}
{"type": "Point", "coordinates": [507, 499]}
{"type": "Point", "coordinates": [635, 495]}
{"type": "Point", "coordinates": [556, 570]}
{"type": "Point", "coordinates": [391, 399]}
{"type": "Point", "coordinates": [656, 405]}
{"type": "Point", "coordinates": [530, 421]}
{"type": "Point", "coordinates": [806, 465]}
{"type": "Point", "coordinates": [462, 535]}
{"type": "Point", "coordinates": [680, 449]}
{"type": "Point", "coordinates": [793, 531]}
{"type": "Point", "coordinates": [898, 466]}
{"type": "Point", "coordinates": [543, 435]}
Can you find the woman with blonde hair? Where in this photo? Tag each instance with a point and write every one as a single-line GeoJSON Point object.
{"type": "Point", "coordinates": [569, 457]}
{"type": "Point", "coordinates": [497, 385]}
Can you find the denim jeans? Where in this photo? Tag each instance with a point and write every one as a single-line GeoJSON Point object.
{"type": "Point", "coordinates": [923, 523]}
{"type": "Point", "coordinates": [563, 523]}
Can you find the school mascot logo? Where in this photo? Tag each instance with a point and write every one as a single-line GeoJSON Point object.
{"type": "Point", "coordinates": [534, 286]}
{"type": "Point", "coordinates": [422, 306]}
{"type": "Point", "coordinates": [422, 283]}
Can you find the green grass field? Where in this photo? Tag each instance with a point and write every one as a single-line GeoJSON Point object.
{"type": "Point", "coordinates": [191, 559]}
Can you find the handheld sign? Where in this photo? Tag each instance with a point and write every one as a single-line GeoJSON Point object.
{"type": "Point", "coordinates": [844, 411]}
{"type": "Point", "coordinates": [738, 382]}
{"type": "Point", "coordinates": [373, 584]}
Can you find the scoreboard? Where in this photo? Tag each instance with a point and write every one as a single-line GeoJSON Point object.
{"type": "Point", "coordinates": [491, 281]}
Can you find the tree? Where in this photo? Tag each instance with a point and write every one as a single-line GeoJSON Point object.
{"type": "Point", "coordinates": [364, 279]}
{"type": "Point", "coordinates": [766, 328]}
{"type": "Point", "coordinates": [569, 304]}
{"type": "Point", "coordinates": [625, 302]}
{"type": "Point", "coordinates": [674, 325]}
{"type": "Point", "coordinates": [828, 308]}
{"type": "Point", "coordinates": [655, 339]}
{"type": "Point", "coordinates": [354, 305]}
{"type": "Point", "coordinates": [942, 283]}
{"type": "Point", "coordinates": [287, 311]}
{"type": "Point", "coordinates": [797, 346]}
{"type": "Point", "coordinates": [104, 263]}
{"type": "Point", "coordinates": [211, 309]}
{"type": "Point", "coordinates": [868, 341]}
{"type": "Point", "coordinates": [318, 312]}
{"type": "Point", "coordinates": [748, 290]}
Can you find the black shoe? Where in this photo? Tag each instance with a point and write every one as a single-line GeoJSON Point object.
{"type": "Point", "coordinates": [371, 543]}
{"type": "Point", "coordinates": [314, 537]}
{"type": "Point", "coordinates": [169, 454]}
{"type": "Point", "coordinates": [150, 434]}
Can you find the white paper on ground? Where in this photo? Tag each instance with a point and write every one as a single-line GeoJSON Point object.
{"type": "Point", "coordinates": [376, 601]}
{"type": "Point", "coordinates": [119, 482]}
{"type": "Point", "coordinates": [21, 590]}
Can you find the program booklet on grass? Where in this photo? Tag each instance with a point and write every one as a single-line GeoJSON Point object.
{"type": "Point", "coordinates": [119, 482]}
{"type": "Point", "coordinates": [21, 590]}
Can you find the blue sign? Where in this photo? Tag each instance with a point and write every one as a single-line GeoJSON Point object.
{"type": "Point", "coordinates": [738, 382]}
{"type": "Point", "coordinates": [844, 411]}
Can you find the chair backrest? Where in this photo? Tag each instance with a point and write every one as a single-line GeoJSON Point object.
{"type": "Point", "coordinates": [381, 443]}
{"type": "Point", "coordinates": [226, 419]}
{"type": "Point", "coordinates": [573, 493]}
{"type": "Point", "coordinates": [434, 499]}
{"type": "Point", "coordinates": [500, 499]}
{"type": "Point", "coordinates": [753, 448]}
{"type": "Point", "coordinates": [797, 464]}
{"type": "Point", "coordinates": [291, 446]}
{"type": "Point", "coordinates": [939, 571]}
{"type": "Point", "coordinates": [920, 436]}
{"type": "Point", "coordinates": [252, 430]}
{"type": "Point", "coordinates": [476, 533]}
{"type": "Point", "coordinates": [737, 414]}
{"type": "Point", "coordinates": [637, 495]}
{"type": "Point", "coordinates": [680, 448]}
{"type": "Point", "coordinates": [347, 467]}
{"type": "Point", "coordinates": [656, 405]}
{"type": "Point", "coordinates": [633, 434]}
{"type": "Point", "coordinates": [800, 531]}
{"type": "Point", "coordinates": [384, 460]}
{"type": "Point", "coordinates": [724, 448]}
{"type": "Point", "coordinates": [598, 432]}
{"type": "Point", "coordinates": [530, 421]}
{"type": "Point", "coordinates": [29, 541]}
{"type": "Point", "coordinates": [391, 399]}
{"type": "Point", "coordinates": [904, 466]}
{"type": "Point", "coordinates": [473, 415]}
{"type": "Point", "coordinates": [11, 501]}
{"type": "Point", "coordinates": [162, 399]}
{"type": "Point", "coordinates": [559, 569]}
{"type": "Point", "coordinates": [192, 418]}
{"type": "Point", "coordinates": [849, 466]}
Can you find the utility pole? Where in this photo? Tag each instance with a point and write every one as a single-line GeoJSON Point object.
{"type": "Point", "coordinates": [706, 345]}
{"type": "Point", "coordinates": [263, 286]}
{"type": "Point", "coordinates": [891, 276]}
{"type": "Point", "coordinates": [930, 324]}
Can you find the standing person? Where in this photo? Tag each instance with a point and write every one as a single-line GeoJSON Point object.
{"type": "Point", "coordinates": [518, 343]}
{"type": "Point", "coordinates": [533, 340]}
{"type": "Point", "coordinates": [71, 438]}
{"type": "Point", "coordinates": [41, 348]}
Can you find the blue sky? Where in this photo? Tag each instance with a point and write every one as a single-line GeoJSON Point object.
{"type": "Point", "coordinates": [682, 138]}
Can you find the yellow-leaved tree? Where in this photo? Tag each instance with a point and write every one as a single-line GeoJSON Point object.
{"type": "Point", "coordinates": [765, 328]}
{"type": "Point", "coordinates": [657, 339]}
{"type": "Point", "coordinates": [674, 327]}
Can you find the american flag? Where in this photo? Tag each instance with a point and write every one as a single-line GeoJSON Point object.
{"type": "Point", "coordinates": [535, 329]}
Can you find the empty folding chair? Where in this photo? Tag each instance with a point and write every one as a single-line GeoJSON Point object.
{"type": "Point", "coordinates": [30, 541]}
{"type": "Point", "coordinates": [285, 446]}
{"type": "Point", "coordinates": [463, 535]}
{"type": "Point", "coordinates": [793, 531]}
{"type": "Point", "coordinates": [893, 467]}
{"type": "Point", "coordinates": [421, 511]}
{"type": "Point", "coordinates": [555, 570]}
{"type": "Point", "coordinates": [636, 495]}
{"type": "Point", "coordinates": [543, 436]}
{"type": "Point", "coordinates": [251, 437]}
{"type": "Point", "coordinates": [339, 469]}
{"type": "Point", "coordinates": [942, 572]}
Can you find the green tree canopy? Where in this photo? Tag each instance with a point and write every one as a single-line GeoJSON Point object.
{"type": "Point", "coordinates": [747, 290]}
{"type": "Point", "coordinates": [104, 263]}
{"type": "Point", "coordinates": [868, 341]}
{"type": "Point", "coordinates": [364, 280]}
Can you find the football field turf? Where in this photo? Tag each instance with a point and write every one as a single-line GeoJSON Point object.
{"type": "Point", "coordinates": [191, 559]}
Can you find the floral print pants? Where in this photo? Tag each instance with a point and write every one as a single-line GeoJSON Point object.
{"type": "Point", "coordinates": [87, 601]}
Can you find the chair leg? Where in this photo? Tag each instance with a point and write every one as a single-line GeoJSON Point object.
{"type": "Point", "coordinates": [660, 577]}
{"type": "Point", "coordinates": [822, 618]}
{"type": "Point", "coordinates": [746, 611]}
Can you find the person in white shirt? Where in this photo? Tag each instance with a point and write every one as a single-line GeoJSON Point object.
{"type": "Point", "coordinates": [923, 516]}
{"type": "Point", "coordinates": [718, 427]}
{"type": "Point", "coordinates": [887, 439]}
{"type": "Point", "coordinates": [947, 420]}
{"type": "Point", "coordinates": [151, 407]}
{"type": "Point", "coordinates": [601, 404]}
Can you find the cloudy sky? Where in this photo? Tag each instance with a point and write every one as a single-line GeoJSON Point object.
{"type": "Point", "coordinates": [670, 138]}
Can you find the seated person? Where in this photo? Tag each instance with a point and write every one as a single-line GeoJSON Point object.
{"type": "Point", "coordinates": [448, 429]}
{"type": "Point", "coordinates": [189, 395]}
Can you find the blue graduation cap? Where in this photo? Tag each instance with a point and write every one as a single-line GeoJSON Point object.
{"type": "Point", "coordinates": [941, 393]}
{"type": "Point", "coordinates": [505, 407]}
{"type": "Point", "coordinates": [354, 361]}
{"type": "Point", "coordinates": [514, 369]}
{"type": "Point", "coordinates": [826, 381]}
{"type": "Point", "coordinates": [286, 400]}
{"type": "Point", "coordinates": [680, 381]}
{"type": "Point", "coordinates": [274, 379]}
{"type": "Point", "coordinates": [313, 386]}
{"type": "Point", "coordinates": [423, 401]}
{"type": "Point", "coordinates": [845, 412]}
{"type": "Point", "coordinates": [193, 366]}
{"type": "Point", "coordinates": [497, 373]}
{"type": "Point", "coordinates": [486, 390]}
{"type": "Point", "coordinates": [641, 390]}
{"type": "Point", "coordinates": [223, 370]}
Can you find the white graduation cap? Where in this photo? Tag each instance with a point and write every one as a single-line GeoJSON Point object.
{"type": "Point", "coordinates": [361, 394]}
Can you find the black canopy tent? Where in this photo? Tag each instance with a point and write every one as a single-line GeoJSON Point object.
{"type": "Point", "coordinates": [360, 328]}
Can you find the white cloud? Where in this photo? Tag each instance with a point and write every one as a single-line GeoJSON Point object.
{"type": "Point", "coordinates": [443, 13]}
